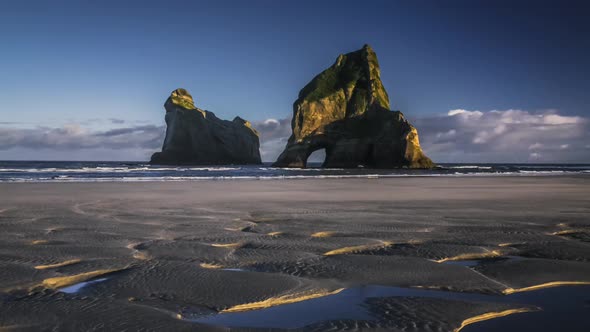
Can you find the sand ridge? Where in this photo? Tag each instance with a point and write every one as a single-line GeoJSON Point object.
{"type": "Point", "coordinates": [282, 300]}
{"type": "Point", "coordinates": [56, 265]}
{"type": "Point", "coordinates": [357, 249]}
{"type": "Point", "coordinates": [544, 285]}
{"type": "Point", "coordinates": [64, 281]}
{"type": "Point", "coordinates": [491, 315]}
{"type": "Point", "coordinates": [471, 256]}
{"type": "Point", "coordinates": [211, 266]}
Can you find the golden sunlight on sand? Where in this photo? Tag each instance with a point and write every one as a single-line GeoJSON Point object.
{"type": "Point", "coordinates": [463, 257]}
{"type": "Point", "coordinates": [60, 282]}
{"type": "Point", "coordinates": [492, 315]}
{"type": "Point", "coordinates": [284, 299]}
{"type": "Point", "coordinates": [354, 249]}
{"type": "Point", "coordinates": [545, 285]}
{"type": "Point", "coordinates": [52, 266]}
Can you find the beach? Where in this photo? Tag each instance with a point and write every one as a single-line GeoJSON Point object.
{"type": "Point", "coordinates": [180, 255]}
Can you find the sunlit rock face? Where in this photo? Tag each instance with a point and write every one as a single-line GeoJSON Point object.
{"type": "Point", "coordinates": [198, 137]}
{"type": "Point", "coordinates": [345, 110]}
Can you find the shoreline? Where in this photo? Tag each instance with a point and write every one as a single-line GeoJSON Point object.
{"type": "Point", "coordinates": [295, 178]}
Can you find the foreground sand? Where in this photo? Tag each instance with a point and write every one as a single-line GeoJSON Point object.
{"type": "Point", "coordinates": [164, 247]}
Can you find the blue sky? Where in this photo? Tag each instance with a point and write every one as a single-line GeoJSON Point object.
{"type": "Point", "coordinates": [93, 66]}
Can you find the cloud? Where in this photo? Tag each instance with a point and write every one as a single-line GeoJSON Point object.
{"type": "Point", "coordinates": [273, 137]}
{"type": "Point", "coordinates": [479, 136]}
{"type": "Point", "coordinates": [505, 136]}
{"type": "Point", "coordinates": [272, 128]}
{"type": "Point", "coordinates": [76, 137]}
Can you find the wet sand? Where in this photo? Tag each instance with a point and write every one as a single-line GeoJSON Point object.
{"type": "Point", "coordinates": [164, 256]}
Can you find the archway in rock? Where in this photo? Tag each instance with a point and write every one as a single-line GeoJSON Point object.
{"type": "Point", "coordinates": [316, 158]}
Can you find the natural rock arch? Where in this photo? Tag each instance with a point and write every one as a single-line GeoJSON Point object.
{"type": "Point", "coordinates": [345, 109]}
{"type": "Point", "coordinates": [317, 156]}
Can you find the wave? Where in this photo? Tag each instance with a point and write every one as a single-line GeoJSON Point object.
{"type": "Point", "coordinates": [468, 167]}
{"type": "Point", "coordinates": [39, 171]}
{"type": "Point", "coordinates": [547, 172]}
{"type": "Point", "coordinates": [313, 169]}
{"type": "Point", "coordinates": [115, 169]}
{"type": "Point", "coordinates": [62, 178]}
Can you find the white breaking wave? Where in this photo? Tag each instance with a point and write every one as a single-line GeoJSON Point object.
{"type": "Point", "coordinates": [469, 167]}
{"type": "Point", "coordinates": [280, 177]}
{"type": "Point", "coordinates": [115, 169]}
{"type": "Point", "coordinates": [142, 172]}
{"type": "Point", "coordinates": [313, 169]}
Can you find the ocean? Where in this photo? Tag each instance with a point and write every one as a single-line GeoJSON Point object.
{"type": "Point", "coordinates": [108, 171]}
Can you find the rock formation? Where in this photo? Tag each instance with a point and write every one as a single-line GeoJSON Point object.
{"type": "Point", "coordinates": [195, 136]}
{"type": "Point", "coordinates": [345, 109]}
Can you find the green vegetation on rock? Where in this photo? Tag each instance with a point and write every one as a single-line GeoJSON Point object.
{"type": "Point", "coordinates": [182, 98]}
{"type": "Point", "coordinates": [358, 68]}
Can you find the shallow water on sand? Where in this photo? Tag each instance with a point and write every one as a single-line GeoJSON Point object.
{"type": "Point", "coordinates": [563, 309]}
{"type": "Point", "coordinates": [77, 287]}
{"type": "Point", "coordinates": [561, 306]}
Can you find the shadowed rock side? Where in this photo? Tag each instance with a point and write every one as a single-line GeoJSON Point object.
{"type": "Point", "coordinates": [345, 110]}
{"type": "Point", "coordinates": [195, 136]}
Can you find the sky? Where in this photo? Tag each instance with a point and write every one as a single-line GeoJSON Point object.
{"type": "Point", "coordinates": [483, 81]}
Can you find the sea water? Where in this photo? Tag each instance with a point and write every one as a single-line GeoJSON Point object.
{"type": "Point", "coordinates": [75, 171]}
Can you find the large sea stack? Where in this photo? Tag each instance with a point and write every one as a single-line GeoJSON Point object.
{"type": "Point", "coordinates": [345, 110]}
{"type": "Point", "coordinates": [197, 137]}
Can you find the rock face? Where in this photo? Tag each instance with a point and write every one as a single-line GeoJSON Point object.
{"type": "Point", "coordinates": [198, 137]}
{"type": "Point", "coordinates": [345, 109]}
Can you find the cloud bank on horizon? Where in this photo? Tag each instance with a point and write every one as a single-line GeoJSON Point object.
{"type": "Point", "coordinates": [505, 136]}
{"type": "Point", "coordinates": [511, 136]}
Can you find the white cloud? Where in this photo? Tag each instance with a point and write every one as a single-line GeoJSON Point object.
{"type": "Point", "coordinates": [500, 129]}
{"type": "Point", "coordinates": [481, 137]}
{"type": "Point", "coordinates": [536, 146]}
{"type": "Point", "coordinates": [555, 119]}
{"type": "Point", "coordinates": [73, 138]}
{"type": "Point", "coordinates": [455, 112]}
{"type": "Point", "coordinates": [505, 136]}
{"type": "Point", "coordinates": [273, 137]}
{"type": "Point", "coordinates": [464, 114]}
{"type": "Point", "coordinates": [447, 134]}
{"type": "Point", "coordinates": [271, 122]}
